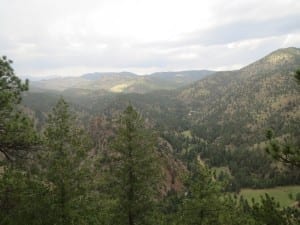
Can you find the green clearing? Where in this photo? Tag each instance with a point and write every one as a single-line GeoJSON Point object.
{"type": "Point", "coordinates": [119, 87]}
{"type": "Point", "coordinates": [281, 194]}
{"type": "Point", "coordinates": [223, 169]}
{"type": "Point", "coordinates": [187, 134]}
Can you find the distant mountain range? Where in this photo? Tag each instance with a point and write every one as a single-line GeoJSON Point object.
{"type": "Point", "coordinates": [231, 109]}
{"type": "Point", "coordinates": [124, 82]}
{"type": "Point", "coordinates": [211, 115]}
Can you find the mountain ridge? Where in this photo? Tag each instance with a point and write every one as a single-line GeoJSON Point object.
{"type": "Point", "coordinates": [123, 81]}
{"type": "Point", "coordinates": [217, 119]}
{"type": "Point", "coordinates": [248, 100]}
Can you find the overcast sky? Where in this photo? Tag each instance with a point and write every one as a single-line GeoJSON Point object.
{"type": "Point", "coordinates": [72, 37]}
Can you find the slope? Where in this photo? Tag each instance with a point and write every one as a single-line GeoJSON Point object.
{"type": "Point", "coordinates": [123, 82]}
{"type": "Point", "coordinates": [235, 108]}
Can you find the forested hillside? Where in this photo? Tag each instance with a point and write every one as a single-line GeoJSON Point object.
{"type": "Point", "coordinates": [165, 157]}
{"type": "Point", "coordinates": [235, 108]}
{"type": "Point", "coordinates": [127, 112]}
{"type": "Point", "coordinates": [222, 118]}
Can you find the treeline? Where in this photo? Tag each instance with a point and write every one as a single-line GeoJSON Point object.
{"type": "Point", "coordinates": [64, 175]}
{"type": "Point", "coordinates": [247, 168]}
{"type": "Point", "coordinates": [250, 168]}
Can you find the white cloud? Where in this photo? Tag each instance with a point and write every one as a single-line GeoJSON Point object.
{"type": "Point", "coordinates": [70, 37]}
{"type": "Point", "coordinates": [291, 40]}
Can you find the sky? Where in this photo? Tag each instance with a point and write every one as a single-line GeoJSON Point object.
{"type": "Point", "coordinates": [72, 37]}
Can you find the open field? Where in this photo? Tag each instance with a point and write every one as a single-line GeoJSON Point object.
{"type": "Point", "coordinates": [187, 134]}
{"type": "Point", "coordinates": [281, 194]}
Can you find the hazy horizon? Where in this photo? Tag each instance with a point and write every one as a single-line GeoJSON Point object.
{"type": "Point", "coordinates": [71, 38]}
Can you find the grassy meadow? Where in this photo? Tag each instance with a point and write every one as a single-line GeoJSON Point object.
{"type": "Point", "coordinates": [281, 194]}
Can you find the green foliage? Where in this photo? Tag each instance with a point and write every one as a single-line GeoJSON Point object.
{"type": "Point", "coordinates": [202, 203]}
{"type": "Point", "coordinates": [298, 197]}
{"type": "Point", "coordinates": [135, 171]}
{"type": "Point", "coordinates": [285, 151]}
{"type": "Point", "coordinates": [285, 195]}
{"type": "Point", "coordinates": [64, 167]}
{"type": "Point", "coordinates": [206, 203]}
{"type": "Point", "coordinates": [20, 192]}
{"type": "Point", "coordinates": [226, 114]}
{"type": "Point", "coordinates": [17, 134]}
{"type": "Point", "coordinates": [233, 109]}
{"type": "Point", "coordinates": [297, 75]}
{"type": "Point", "coordinates": [268, 212]}
{"type": "Point", "coordinates": [10, 86]}
{"type": "Point", "coordinates": [22, 198]}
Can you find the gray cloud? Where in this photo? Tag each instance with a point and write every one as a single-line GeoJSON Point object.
{"type": "Point", "coordinates": [64, 37]}
{"type": "Point", "coordinates": [235, 31]}
{"type": "Point", "coordinates": [241, 30]}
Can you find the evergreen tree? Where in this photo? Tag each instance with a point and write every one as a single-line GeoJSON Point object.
{"type": "Point", "coordinates": [17, 135]}
{"type": "Point", "coordinates": [269, 212]}
{"type": "Point", "coordinates": [286, 152]}
{"type": "Point", "coordinates": [23, 198]}
{"type": "Point", "coordinates": [297, 75]}
{"type": "Point", "coordinates": [64, 167]}
{"type": "Point", "coordinates": [202, 202]}
{"type": "Point", "coordinates": [135, 171]}
{"type": "Point", "coordinates": [19, 189]}
{"type": "Point", "coordinates": [205, 202]}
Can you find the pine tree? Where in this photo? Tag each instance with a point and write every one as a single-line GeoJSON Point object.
{"type": "Point", "coordinates": [65, 168]}
{"type": "Point", "coordinates": [19, 189]}
{"type": "Point", "coordinates": [135, 171]}
{"type": "Point", "coordinates": [22, 198]}
{"type": "Point", "coordinates": [202, 202]}
{"type": "Point", "coordinates": [287, 151]}
{"type": "Point", "coordinates": [17, 134]}
{"type": "Point", "coordinates": [297, 75]}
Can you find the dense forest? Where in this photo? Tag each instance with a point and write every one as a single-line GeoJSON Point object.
{"type": "Point", "coordinates": [98, 158]}
{"type": "Point", "coordinates": [223, 117]}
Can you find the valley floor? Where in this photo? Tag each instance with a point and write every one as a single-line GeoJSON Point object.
{"type": "Point", "coordinates": [282, 194]}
